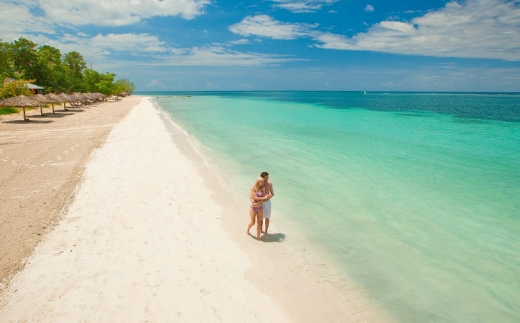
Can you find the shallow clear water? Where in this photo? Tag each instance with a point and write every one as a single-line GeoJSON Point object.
{"type": "Point", "coordinates": [416, 196]}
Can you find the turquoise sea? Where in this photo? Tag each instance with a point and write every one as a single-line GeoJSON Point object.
{"type": "Point", "coordinates": [415, 196]}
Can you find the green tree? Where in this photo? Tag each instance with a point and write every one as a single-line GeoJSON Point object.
{"type": "Point", "coordinates": [91, 80]}
{"type": "Point", "coordinates": [6, 62]}
{"type": "Point", "coordinates": [74, 64]}
{"type": "Point", "coordinates": [96, 82]}
{"type": "Point", "coordinates": [124, 86]}
{"type": "Point", "coordinates": [50, 72]}
{"type": "Point", "coordinates": [106, 84]}
{"type": "Point", "coordinates": [25, 58]}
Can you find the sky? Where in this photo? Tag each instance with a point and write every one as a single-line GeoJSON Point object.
{"type": "Point", "coordinates": [257, 45]}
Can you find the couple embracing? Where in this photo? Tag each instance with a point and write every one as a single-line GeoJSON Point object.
{"type": "Point", "coordinates": [260, 196]}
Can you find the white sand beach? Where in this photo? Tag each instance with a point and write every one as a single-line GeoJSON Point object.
{"type": "Point", "coordinates": [141, 242]}
{"type": "Point", "coordinates": [144, 240]}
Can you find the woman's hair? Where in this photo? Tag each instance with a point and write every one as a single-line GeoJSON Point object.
{"type": "Point", "coordinates": [259, 181]}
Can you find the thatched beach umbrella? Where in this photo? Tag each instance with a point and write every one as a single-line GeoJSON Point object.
{"type": "Point", "coordinates": [20, 101]}
{"type": "Point", "coordinates": [98, 96]}
{"type": "Point", "coordinates": [76, 97]}
{"type": "Point", "coordinates": [85, 97]}
{"type": "Point", "coordinates": [65, 98]}
{"type": "Point", "coordinates": [88, 97]}
{"type": "Point", "coordinates": [41, 99]}
{"type": "Point", "coordinates": [52, 98]}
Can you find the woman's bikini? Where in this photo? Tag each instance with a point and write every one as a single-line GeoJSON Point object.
{"type": "Point", "coordinates": [258, 208]}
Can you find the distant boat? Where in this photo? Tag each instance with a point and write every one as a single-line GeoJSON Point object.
{"type": "Point", "coordinates": [364, 92]}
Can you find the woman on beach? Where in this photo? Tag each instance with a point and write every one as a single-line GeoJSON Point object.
{"type": "Point", "coordinates": [257, 196]}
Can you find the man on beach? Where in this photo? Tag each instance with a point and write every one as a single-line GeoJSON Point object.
{"type": "Point", "coordinates": [266, 206]}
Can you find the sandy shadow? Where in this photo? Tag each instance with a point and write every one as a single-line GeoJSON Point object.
{"type": "Point", "coordinates": [273, 237]}
{"type": "Point", "coordinates": [63, 113]}
{"type": "Point", "coordinates": [252, 236]}
{"type": "Point", "coordinates": [29, 121]}
{"type": "Point", "coordinates": [50, 115]}
{"type": "Point", "coordinates": [70, 110]}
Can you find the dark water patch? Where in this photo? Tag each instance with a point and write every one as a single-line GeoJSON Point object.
{"type": "Point", "coordinates": [488, 106]}
{"type": "Point", "coordinates": [469, 121]}
{"type": "Point", "coordinates": [421, 115]}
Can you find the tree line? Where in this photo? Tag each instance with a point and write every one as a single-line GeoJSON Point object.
{"type": "Point", "coordinates": [23, 60]}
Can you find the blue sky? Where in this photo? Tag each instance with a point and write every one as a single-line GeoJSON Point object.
{"type": "Point", "coordinates": [340, 45]}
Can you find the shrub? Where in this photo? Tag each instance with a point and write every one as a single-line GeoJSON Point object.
{"type": "Point", "coordinates": [5, 110]}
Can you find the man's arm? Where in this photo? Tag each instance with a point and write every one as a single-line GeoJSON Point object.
{"type": "Point", "coordinates": [271, 190]}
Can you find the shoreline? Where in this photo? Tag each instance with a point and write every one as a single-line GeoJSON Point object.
{"type": "Point", "coordinates": [176, 250]}
{"type": "Point", "coordinates": [285, 275]}
{"type": "Point", "coordinates": [140, 242]}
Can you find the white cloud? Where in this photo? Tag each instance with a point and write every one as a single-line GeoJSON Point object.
{"type": "Point", "coordinates": [265, 26]}
{"type": "Point", "coordinates": [217, 55]}
{"type": "Point", "coordinates": [97, 48]}
{"type": "Point", "coordinates": [128, 42]}
{"type": "Point", "coordinates": [17, 19]}
{"type": "Point", "coordinates": [240, 41]}
{"type": "Point", "coordinates": [369, 8]}
{"type": "Point", "coordinates": [155, 84]}
{"type": "Point", "coordinates": [474, 29]}
{"type": "Point", "coordinates": [298, 6]}
{"type": "Point", "coordinates": [114, 12]}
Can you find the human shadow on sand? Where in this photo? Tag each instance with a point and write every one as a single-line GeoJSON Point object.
{"type": "Point", "coordinates": [273, 237]}
{"type": "Point", "coordinates": [270, 237]}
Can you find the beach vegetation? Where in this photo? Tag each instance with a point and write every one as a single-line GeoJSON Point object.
{"type": "Point", "coordinates": [56, 72]}
{"type": "Point", "coordinates": [97, 82]}
{"type": "Point", "coordinates": [25, 58]}
{"type": "Point", "coordinates": [124, 86]}
{"type": "Point", "coordinates": [5, 60]}
{"type": "Point", "coordinates": [7, 110]}
{"type": "Point", "coordinates": [52, 71]}
{"type": "Point", "coordinates": [74, 65]}
{"type": "Point", "coordinates": [10, 88]}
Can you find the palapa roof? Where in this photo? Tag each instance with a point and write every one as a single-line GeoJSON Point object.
{"type": "Point", "coordinates": [20, 101]}
{"type": "Point", "coordinates": [40, 98]}
{"type": "Point", "coordinates": [53, 98]}
{"type": "Point", "coordinates": [65, 97]}
{"type": "Point", "coordinates": [76, 96]}
{"type": "Point", "coordinates": [98, 95]}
